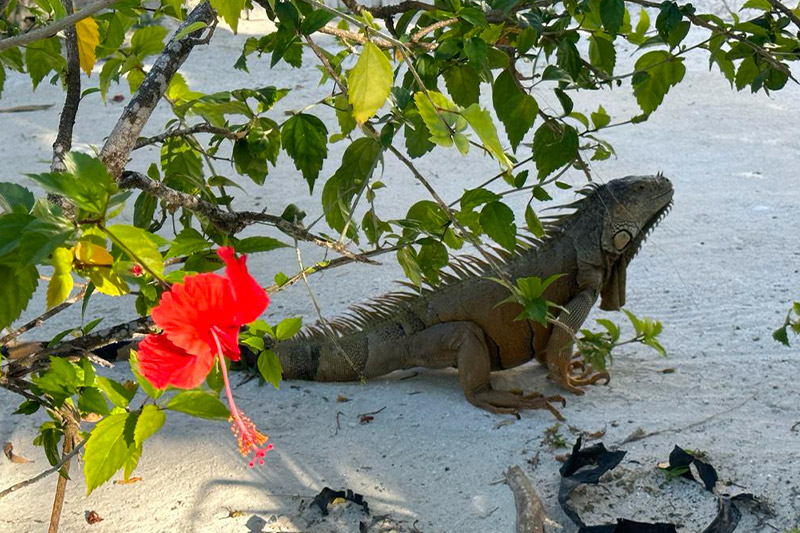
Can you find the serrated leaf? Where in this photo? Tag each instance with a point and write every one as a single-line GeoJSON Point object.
{"type": "Point", "coordinates": [187, 242]}
{"type": "Point", "coordinates": [463, 84]}
{"type": "Point", "coordinates": [515, 109]}
{"type": "Point", "coordinates": [269, 366]}
{"type": "Point", "coordinates": [251, 245]}
{"type": "Point", "coordinates": [150, 420]}
{"type": "Point", "coordinates": [88, 39]}
{"type": "Point", "coordinates": [91, 400]}
{"type": "Point", "coordinates": [200, 404]}
{"type": "Point", "coordinates": [137, 241]}
{"type": "Point", "coordinates": [369, 82]}
{"type": "Point", "coordinates": [358, 164]}
{"type": "Point", "coordinates": [148, 40]}
{"type": "Point", "coordinates": [109, 446]}
{"type": "Point", "coordinates": [554, 145]}
{"type": "Point", "coordinates": [119, 394]}
{"type": "Point", "coordinates": [14, 297]}
{"type": "Point", "coordinates": [533, 222]}
{"type": "Point", "coordinates": [656, 73]}
{"type": "Point", "coordinates": [497, 220]}
{"type": "Point", "coordinates": [15, 198]}
{"type": "Point", "coordinates": [304, 138]}
{"type": "Point", "coordinates": [433, 107]}
{"type": "Point", "coordinates": [288, 327]}
{"type": "Point", "coordinates": [612, 13]}
{"type": "Point", "coordinates": [481, 121]}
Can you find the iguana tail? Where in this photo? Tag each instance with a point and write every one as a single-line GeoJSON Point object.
{"type": "Point", "coordinates": [322, 359]}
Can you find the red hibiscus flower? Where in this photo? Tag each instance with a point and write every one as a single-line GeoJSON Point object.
{"type": "Point", "coordinates": [200, 319]}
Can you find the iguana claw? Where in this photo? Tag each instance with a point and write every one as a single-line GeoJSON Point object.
{"type": "Point", "coordinates": [506, 402]}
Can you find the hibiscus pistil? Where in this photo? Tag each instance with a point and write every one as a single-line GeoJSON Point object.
{"type": "Point", "coordinates": [247, 436]}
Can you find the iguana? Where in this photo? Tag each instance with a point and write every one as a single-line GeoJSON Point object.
{"type": "Point", "coordinates": [459, 323]}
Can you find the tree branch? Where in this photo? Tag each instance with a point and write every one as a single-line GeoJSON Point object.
{"type": "Point", "coordinates": [57, 26]}
{"type": "Point", "coordinates": [126, 132]}
{"type": "Point", "coordinates": [227, 221]}
{"type": "Point", "coordinates": [63, 141]}
{"type": "Point", "coordinates": [183, 132]}
{"type": "Point", "coordinates": [36, 322]}
{"type": "Point", "coordinates": [786, 11]}
{"type": "Point", "coordinates": [22, 484]}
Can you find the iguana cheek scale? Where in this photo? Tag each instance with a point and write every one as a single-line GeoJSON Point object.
{"type": "Point", "coordinates": [459, 323]}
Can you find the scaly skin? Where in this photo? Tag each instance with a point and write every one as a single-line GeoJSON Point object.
{"type": "Point", "coordinates": [461, 324]}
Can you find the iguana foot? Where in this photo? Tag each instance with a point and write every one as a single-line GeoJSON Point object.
{"type": "Point", "coordinates": [506, 402]}
{"type": "Point", "coordinates": [572, 382]}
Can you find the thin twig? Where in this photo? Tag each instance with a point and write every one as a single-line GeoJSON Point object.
{"type": "Point", "coordinates": [42, 475]}
{"type": "Point", "coordinates": [786, 11]}
{"type": "Point", "coordinates": [36, 322]}
{"type": "Point", "coordinates": [70, 434]}
{"type": "Point", "coordinates": [183, 132]}
{"type": "Point", "coordinates": [57, 26]}
{"type": "Point", "coordinates": [634, 438]}
{"type": "Point", "coordinates": [433, 27]}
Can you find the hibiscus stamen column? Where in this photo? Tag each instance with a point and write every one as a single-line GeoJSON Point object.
{"type": "Point", "coordinates": [248, 437]}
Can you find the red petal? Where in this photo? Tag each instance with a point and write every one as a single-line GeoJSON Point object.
{"type": "Point", "coordinates": [188, 312]}
{"type": "Point", "coordinates": [163, 364]}
{"type": "Point", "coordinates": [251, 299]}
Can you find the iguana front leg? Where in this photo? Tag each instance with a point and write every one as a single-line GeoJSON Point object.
{"type": "Point", "coordinates": [559, 348]}
{"type": "Point", "coordinates": [463, 344]}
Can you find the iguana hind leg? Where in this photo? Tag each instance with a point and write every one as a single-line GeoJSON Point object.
{"type": "Point", "coordinates": [464, 344]}
{"type": "Point", "coordinates": [560, 359]}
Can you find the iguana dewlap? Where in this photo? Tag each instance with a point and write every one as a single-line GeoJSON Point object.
{"type": "Point", "coordinates": [459, 322]}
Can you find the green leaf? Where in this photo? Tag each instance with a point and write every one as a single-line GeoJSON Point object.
{"type": "Point", "coordinates": [87, 183]}
{"type": "Point", "coordinates": [136, 241]}
{"type": "Point", "coordinates": [600, 118]}
{"type": "Point", "coordinates": [135, 453]}
{"type": "Point", "coordinates": [569, 58]}
{"type": "Point", "coordinates": [187, 242]}
{"type": "Point", "coordinates": [554, 145]}
{"type": "Point", "coordinates": [497, 220]}
{"type": "Point", "coordinates": [109, 446]}
{"type": "Point", "coordinates": [358, 163]}
{"type": "Point", "coordinates": [14, 297]}
{"type": "Point", "coordinates": [269, 366]}
{"type": "Point", "coordinates": [315, 20]}
{"type": "Point", "coordinates": [28, 407]}
{"type": "Point", "coordinates": [150, 420]}
{"type": "Point", "coordinates": [481, 121]}
{"type": "Point", "coordinates": [417, 137]}
{"type": "Point", "coordinates": [91, 400]}
{"type": "Point", "coordinates": [42, 57]}
{"type": "Point", "coordinates": [781, 335]}
{"type": "Point", "coordinates": [15, 198]}
{"type": "Point", "coordinates": [194, 26]}
{"type": "Point", "coordinates": [251, 245]}
{"type": "Point", "coordinates": [200, 404]}
{"type": "Point", "coordinates": [474, 197]}
{"type": "Point", "coordinates": [533, 222]}
{"type": "Point", "coordinates": [61, 282]}
{"type": "Point", "coordinates": [288, 327]}
{"type": "Point", "coordinates": [656, 73]}
{"type": "Point", "coordinates": [304, 138]}
{"type": "Point", "coordinates": [344, 115]}
{"type": "Point", "coordinates": [612, 13]}
{"type": "Point", "coordinates": [433, 107]}
{"type": "Point", "coordinates": [463, 84]}
{"type": "Point", "coordinates": [602, 54]}
{"type": "Point", "coordinates": [407, 258]}
{"type": "Point", "coordinates": [515, 109]}
{"type": "Point", "coordinates": [119, 394]}
{"type": "Point", "coordinates": [148, 41]}
{"type": "Point", "coordinates": [369, 82]}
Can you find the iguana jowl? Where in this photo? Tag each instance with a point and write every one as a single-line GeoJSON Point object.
{"type": "Point", "coordinates": [460, 324]}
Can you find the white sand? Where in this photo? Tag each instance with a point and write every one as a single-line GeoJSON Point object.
{"type": "Point", "coordinates": [720, 272]}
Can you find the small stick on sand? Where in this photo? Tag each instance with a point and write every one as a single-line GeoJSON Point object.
{"type": "Point", "coordinates": [531, 516]}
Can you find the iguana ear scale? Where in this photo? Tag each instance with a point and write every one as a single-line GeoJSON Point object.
{"type": "Point", "coordinates": [613, 292]}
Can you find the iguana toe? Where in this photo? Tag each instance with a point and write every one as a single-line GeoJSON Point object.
{"type": "Point", "coordinates": [505, 402]}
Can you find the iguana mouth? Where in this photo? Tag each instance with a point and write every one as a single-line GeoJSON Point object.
{"type": "Point", "coordinates": [648, 228]}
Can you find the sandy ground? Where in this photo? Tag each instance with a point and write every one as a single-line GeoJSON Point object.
{"type": "Point", "coordinates": [719, 272]}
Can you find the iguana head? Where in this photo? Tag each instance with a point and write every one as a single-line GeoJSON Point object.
{"type": "Point", "coordinates": [633, 206]}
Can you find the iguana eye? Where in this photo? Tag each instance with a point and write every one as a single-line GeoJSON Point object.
{"type": "Point", "coordinates": [621, 239]}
